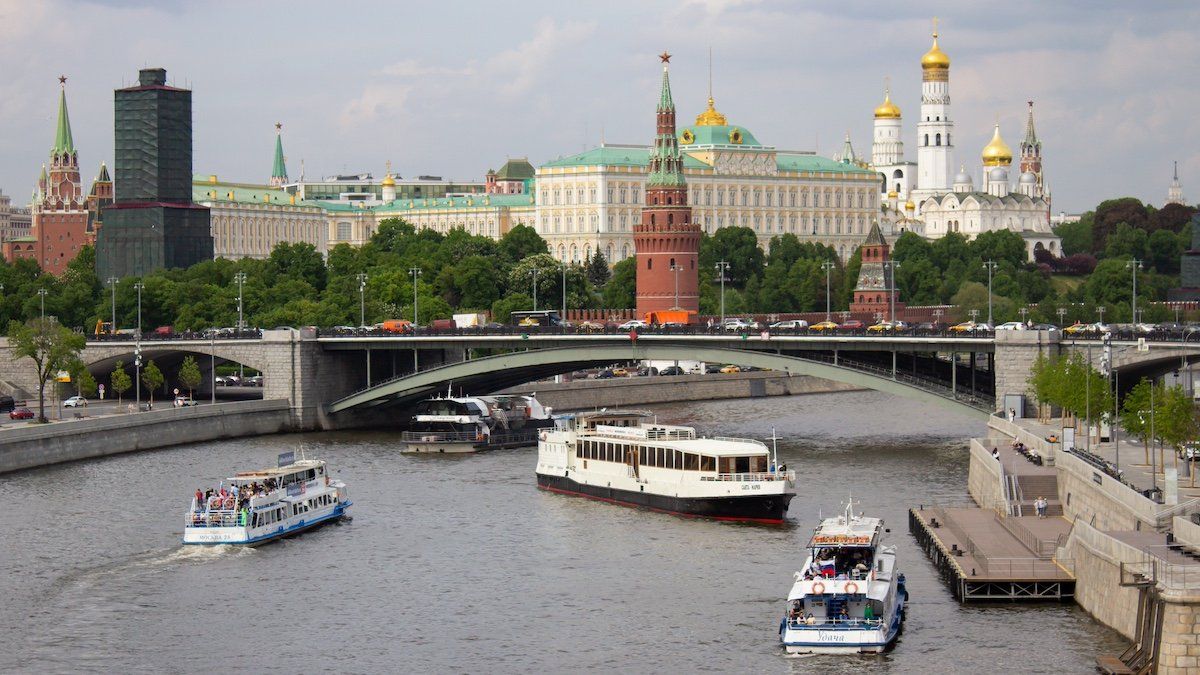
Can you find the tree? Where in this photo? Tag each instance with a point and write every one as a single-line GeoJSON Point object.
{"type": "Point", "coordinates": [85, 383]}
{"type": "Point", "coordinates": [737, 246]}
{"type": "Point", "coordinates": [597, 269]}
{"type": "Point", "coordinates": [1110, 213]}
{"type": "Point", "coordinates": [521, 242]}
{"type": "Point", "coordinates": [152, 377]}
{"type": "Point", "coordinates": [298, 261]}
{"type": "Point", "coordinates": [621, 289]}
{"type": "Point", "coordinates": [1126, 242]}
{"type": "Point", "coordinates": [189, 374]}
{"type": "Point", "coordinates": [51, 346]}
{"type": "Point", "coordinates": [1163, 250]}
{"type": "Point", "coordinates": [1135, 412]}
{"type": "Point", "coordinates": [120, 381]}
{"type": "Point", "coordinates": [503, 308]}
{"type": "Point", "coordinates": [1077, 236]}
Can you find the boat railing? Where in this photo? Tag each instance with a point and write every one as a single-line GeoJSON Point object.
{"type": "Point", "coordinates": [734, 439]}
{"type": "Point", "coordinates": [824, 623]}
{"type": "Point", "coordinates": [216, 518]}
{"type": "Point", "coordinates": [766, 476]}
{"type": "Point", "coordinates": [467, 436]}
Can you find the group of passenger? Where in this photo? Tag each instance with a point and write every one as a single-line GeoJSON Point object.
{"type": "Point", "coordinates": [827, 564]}
{"type": "Point", "coordinates": [1027, 452]}
{"type": "Point", "coordinates": [797, 615]}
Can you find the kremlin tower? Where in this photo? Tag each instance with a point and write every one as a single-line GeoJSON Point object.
{"type": "Point", "coordinates": [935, 151]}
{"type": "Point", "coordinates": [279, 176]}
{"type": "Point", "coordinates": [667, 242]}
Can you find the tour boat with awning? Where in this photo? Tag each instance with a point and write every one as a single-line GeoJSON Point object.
{"type": "Point", "coordinates": [460, 424]}
{"type": "Point", "coordinates": [849, 597]}
{"type": "Point", "coordinates": [624, 457]}
{"type": "Point", "coordinates": [255, 507]}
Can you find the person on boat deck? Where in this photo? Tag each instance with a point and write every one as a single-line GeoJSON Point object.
{"type": "Point", "coordinates": [860, 570]}
{"type": "Point", "coordinates": [868, 612]}
{"type": "Point", "coordinates": [810, 619]}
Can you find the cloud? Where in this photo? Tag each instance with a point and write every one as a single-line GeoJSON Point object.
{"type": "Point", "coordinates": [520, 70]}
{"type": "Point", "coordinates": [414, 68]}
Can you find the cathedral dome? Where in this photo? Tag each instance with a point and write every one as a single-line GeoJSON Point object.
{"type": "Point", "coordinates": [1028, 178]}
{"type": "Point", "coordinates": [388, 181]}
{"type": "Point", "coordinates": [710, 117]}
{"type": "Point", "coordinates": [997, 152]}
{"type": "Point", "coordinates": [998, 175]}
{"type": "Point", "coordinates": [935, 58]}
{"type": "Point", "coordinates": [887, 109]}
{"type": "Point", "coordinates": [962, 177]}
{"type": "Point", "coordinates": [909, 205]}
{"type": "Point", "coordinates": [892, 194]}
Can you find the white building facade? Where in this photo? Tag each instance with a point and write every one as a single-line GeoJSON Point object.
{"type": "Point", "coordinates": [249, 220]}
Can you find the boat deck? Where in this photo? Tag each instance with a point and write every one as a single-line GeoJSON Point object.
{"type": "Point", "coordinates": [985, 557]}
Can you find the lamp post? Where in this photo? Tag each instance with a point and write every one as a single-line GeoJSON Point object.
{"type": "Point", "coordinates": [889, 281]}
{"type": "Point", "coordinates": [1100, 311]}
{"type": "Point", "coordinates": [240, 278]}
{"type": "Point", "coordinates": [137, 349]}
{"type": "Point", "coordinates": [676, 269]}
{"type": "Point", "coordinates": [564, 290]}
{"type": "Point", "coordinates": [535, 275]}
{"type": "Point", "coordinates": [112, 281]}
{"type": "Point", "coordinates": [1134, 265]}
{"type": "Point", "coordinates": [42, 292]}
{"type": "Point", "coordinates": [1062, 314]}
{"type": "Point", "coordinates": [828, 267]}
{"type": "Point", "coordinates": [937, 316]}
{"type": "Point", "coordinates": [415, 272]}
{"type": "Point", "coordinates": [362, 299]}
{"type": "Point", "coordinates": [974, 315]}
{"type": "Point", "coordinates": [723, 267]}
{"type": "Point", "coordinates": [1024, 311]}
{"type": "Point", "coordinates": [991, 267]}
{"type": "Point", "coordinates": [212, 363]}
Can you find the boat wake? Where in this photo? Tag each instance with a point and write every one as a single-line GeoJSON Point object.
{"type": "Point", "coordinates": [149, 562]}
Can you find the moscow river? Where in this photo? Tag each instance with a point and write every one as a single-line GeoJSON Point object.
{"type": "Point", "coordinates": [460, 564]}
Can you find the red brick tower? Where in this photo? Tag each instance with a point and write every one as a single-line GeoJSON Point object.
{"type": "Point", "coordinates": [875, 292]}
{"type": "Point", "coordinates": [60, 218]}
{"type": "Point", "coordinates": [667, 242]}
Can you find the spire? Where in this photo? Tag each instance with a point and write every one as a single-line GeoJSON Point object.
{"type": "Point", "coordinates": [664, 100]}
{"type": "Point", "coordinates": [1176, 171]}
{"type": "Point", "coordinates": [63, 143]}
{"type": "Point", "coordinates": [1030, 135]}
{"type": "Point", "coordinates": [666, 163]}
{"type": "Point", "coordinates": [710, 117]}
{"type": "Point", "coordinates": [848, 151]}
{"type": "Point", "coordinates": [278, 170]}
{"type": "Point", "coordinates": [103, 177]}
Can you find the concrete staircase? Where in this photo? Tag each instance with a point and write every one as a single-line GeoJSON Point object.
{"type": "Point", "coordinates": [1041, 485]}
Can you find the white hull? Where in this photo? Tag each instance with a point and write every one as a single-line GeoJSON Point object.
{"type": "Point", "coordinates": [441, 447]}
{"type": "Point", "coordinates": [253, 536]}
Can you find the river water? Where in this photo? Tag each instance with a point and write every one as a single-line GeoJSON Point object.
{"type": "Point", "coordinates": [460, 564]}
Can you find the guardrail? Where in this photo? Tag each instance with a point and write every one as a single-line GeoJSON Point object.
{"type": "Point", "coordinates": [767, 477]}
{"type": "Point", "coordinates": [651, 330]}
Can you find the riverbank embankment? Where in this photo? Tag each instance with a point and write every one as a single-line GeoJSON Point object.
{"type": "Point", "coordinates": [634, 391]}
{"type": "Point", "coordinates": [40, 445]}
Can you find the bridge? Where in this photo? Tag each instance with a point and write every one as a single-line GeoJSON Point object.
{"type": "Point", "coordinates": [335, 380]}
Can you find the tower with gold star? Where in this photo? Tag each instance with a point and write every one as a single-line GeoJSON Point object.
{"type": "Point", "coordinates": [666, 241]}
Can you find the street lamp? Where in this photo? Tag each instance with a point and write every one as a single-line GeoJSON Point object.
{"type": "Point", "coordinates": [974, 315]}
{"type": "Point", "coordinates": [676, 269]}
{"type": "Point", "coordinates": [564, 290]}
{"type": "Point", "coordinates": [1100, 311]}
{"type": "Point", "coordinates": [889, 281]}
{"type": "Point", "coordinates": [535, 275]}
{"type": "Point", "coordinates": [991, 267]}
{"type": "Point", "coordinates": [1024, 311]}
{"type": "Point", "coordinates": [137, 350]}
{"type": "Point", "coordinates": [1134, 265]}
{"type": "Point", "coordinates": [42, 292]}
{"type": "Point", "coordinates": [415, 272]}
{"type": "Point", "coordinates": [828, 267]}
{"type": "Point", "coordinates": [362, 299]}
{"type": "Point", "coordinates": [240, 278]}
{"type": "Point", "coordinates": [1062, 313]}
{"type": "Point", "coordinates": [723, 267]}
{"type": "Point", "coordinates": [112, 281]}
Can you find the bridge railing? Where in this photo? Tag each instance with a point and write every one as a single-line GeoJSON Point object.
{"type": "Point", "coordinates": [699, 329]}
{"type": "Point", "coordinates": [975, 399]}
{"type": "Point", "coordinates": [155, 336]}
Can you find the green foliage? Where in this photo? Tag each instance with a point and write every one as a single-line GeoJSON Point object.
{"type": "Point", "coordinates": [1076, 237]}
{"type": "Point", "coordinates": [597, 269]}
{"type": "Point", "coordinates": [85, 383]}
{"type": "Point", "coordinates": [120, 380]}
{"type": "Point", "coordinates": [300, 261]}
{"type": "Point", "coordinates": [1126, 242]}
{"type": "Point", "coordinates": [521, 242]}
{"type": "Point", "coordinates": [514, 302]}
{"type": "Point", "coordinates": [1072, 384]}
{"type": "Point", "coordinates": [152, 377]}
{"type": "Point", "coordinates": [189, 374]}
{"type": "Point", "coordinates": [736, 245]}
{"type": "Point", "coordinates": [621, 289]}
{"type": "Point", "coordinates": [51, 346]}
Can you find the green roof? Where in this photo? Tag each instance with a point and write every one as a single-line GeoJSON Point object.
{"type": "Point", "coordinates": [718, 135]}
{"type": "Point", "coordinates": [515, 169]}
{"type": "Point", "coordinates": [816, 164]}
{"type": "Point", "coordinates": [63, 143]}
{"type": "Point", "coordinates": [278, 170]}
{"type": "Point", "coordinates": [243, 193]}
{"type": "Point", "coordinates": [609, 155]}
{"type": "Point", "coordinates": [433, 203]}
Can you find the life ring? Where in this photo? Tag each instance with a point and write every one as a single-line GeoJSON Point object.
{"type": "Point", "coordinates": [214, 503]}
{"type": "Point", "coordinates": [229, 503]}
{"type": "Point", "coordinates": [818, 588]}
{"type": "Point", "coordinates": [852, 588]}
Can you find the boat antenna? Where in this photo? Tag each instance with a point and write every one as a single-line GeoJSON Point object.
{"type": "Point", "coordinates": [775, 446]}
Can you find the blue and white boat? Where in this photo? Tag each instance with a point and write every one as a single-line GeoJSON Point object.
{"type": "Point", "coordinates": [849, 598]}
{"type": "Point", "coordinates": [256, 507]}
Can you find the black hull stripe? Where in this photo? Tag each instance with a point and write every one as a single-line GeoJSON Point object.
{"type": "Point", "coordinates": [768, 509]}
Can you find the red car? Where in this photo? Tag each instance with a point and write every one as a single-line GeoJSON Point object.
{"type": "Point", "coordinates": [21, 414]}
{"type": "Point", "coordinates": [852, 324]}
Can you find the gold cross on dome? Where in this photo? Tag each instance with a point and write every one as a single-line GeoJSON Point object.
{"type": "Point", "coordinates": [664, 57]}
{"type": "Point", "coordinates": [935, 27]}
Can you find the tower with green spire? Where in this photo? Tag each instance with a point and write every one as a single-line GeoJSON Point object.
{"type": "Point", "coordinates": [279, 176]}
{"type": "Point", "coordinates": [59, 211]}
{"type": "Point", "coordinates": [666, 240]}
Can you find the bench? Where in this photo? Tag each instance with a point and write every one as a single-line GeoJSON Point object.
{"type": "Point", "coordinates": [1112, 666]}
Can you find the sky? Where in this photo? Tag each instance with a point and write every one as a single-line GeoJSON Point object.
{"type": "Point", "coordinates": [454, 88]}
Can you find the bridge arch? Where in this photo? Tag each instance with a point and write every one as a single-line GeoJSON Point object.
{"type": "Point", "coordinates": [494, 373]}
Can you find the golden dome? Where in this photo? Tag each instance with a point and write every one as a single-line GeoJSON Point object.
{"type": "Point", "coordinates": [997, 152]}
{"type": "Point", "coordinates": [710, 117]}
{"type": "Point", "coordinates": [935, 58]}
{"type": "Point", "coordinates": [388, 181]}
{"type": "Point", "coordinates": [892, 194]}
{"type": "Point", "coordinates": [887, 109]}
{"type": "Point", "coordinates": [909, 205]}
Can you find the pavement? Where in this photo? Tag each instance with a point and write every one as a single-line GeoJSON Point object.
{"type": "Point", "coordinates": [1133, 457]}
{"type": "Point", "coordinates": [56, 412]}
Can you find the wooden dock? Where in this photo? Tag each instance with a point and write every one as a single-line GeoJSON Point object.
{"type": "Point", "coordinates": [986, 557]}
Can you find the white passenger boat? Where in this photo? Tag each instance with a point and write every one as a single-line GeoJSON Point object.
{"type": "Point", "coordinates": [624, 458]}
{"type": "Point", "coordinates": [255, 507]}
{"type": "Point", "coordinates": [849, 597]}
{"type": "Point", "coordinates": [472, 423]}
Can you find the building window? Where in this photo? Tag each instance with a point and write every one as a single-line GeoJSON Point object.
{"type": "Point", "coordinates": [343, 231]}
{"type": "Point", "coordinates": [937, 139]}
{"type": "Point", "coordinates": [926, 139]}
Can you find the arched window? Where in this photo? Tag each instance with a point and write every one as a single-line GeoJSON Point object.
{"type": "Point", "coordinates": [672, 263]}
{"type": "Point", "coordinates": [947, 138]}
{"type": "Point", "coordinates": [649, 263]}
{"type": "Point", "coordinates": [926, 139]}
{"type": "Point", "coordinates": [937, 139]}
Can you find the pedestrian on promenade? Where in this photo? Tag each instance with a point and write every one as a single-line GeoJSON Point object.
{"type": "Point", "coordinates": [1012, 414]}
{"type": "Point", "coordinates": [996, 454]}
{"type": "Point", "coordinates": [1040, 505]}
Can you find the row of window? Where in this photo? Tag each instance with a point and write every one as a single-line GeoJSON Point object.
{"type": "Point", "coordinates": [667, 458]}
{"type": "Point", "coordinates": [757, 222]}
{"type": "Point", "coordinates": [705, 196]}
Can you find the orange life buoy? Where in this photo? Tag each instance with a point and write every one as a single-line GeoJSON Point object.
{"type": "Point", "coordinates": [229, 502]}
{"type": "Point", "coordinates": [852, 588]}
{"type": "Point", "coordinates": [818, 588]}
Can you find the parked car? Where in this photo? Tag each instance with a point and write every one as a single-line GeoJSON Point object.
{"type": "Point", "coordinates": [7, 404]}
{"type": "Point", "coordinates": [647, 371]}
{"type": "Point", "coordinates": [964, 327]}
{"type": "Point", "coordinates": [620, 372]}
{"type": "Point", "coordinates": [1044, 326]}
{"type": "Point", "coordinates": [740, 324]}
{"type": "Point", "coordinates": [792, 324]}
{"type": "Point", "coordinates": [729, 369]}
{"type": "Point", "coordinates": [887, 327]}
{"type": "Point", "coordinates": [604, 374]}
{"type": "Point", "coordinates": [632, 324]}
{"type": "Point", "coordinates": [183, 402]}
{"type": "Point", "coordinates": [671, 370]}
{"type": "Point", "coordinates": [823, 326]}
{"type": "Point", "coordinates": [589, 327]}
{"type": "Point", "coordinates": [254, 381]}
{"type": "Point", "coordinates": [21, 414]}
{"type": "Point", "coordinates": [713, 368]}
{"type": "Point", "coordinates": [75, 402]}
{"type": "Point", "coordinates": [1086, 329]}
{"type": "Point", "coordinates": [1012, 325]}
{"type": "Point", "coordinates": [1190, 451]}
{"type": "Point", "coordinates": [852, 324]}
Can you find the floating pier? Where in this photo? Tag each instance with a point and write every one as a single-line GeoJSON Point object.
{"type": "Point", "coordinates": [986, 557]}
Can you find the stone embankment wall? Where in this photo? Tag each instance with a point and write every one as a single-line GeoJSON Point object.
{"type": "Point", "coordinates": [984, 479]}
{"type": "Point", "coordinates": [634, 391]}
{"type": "Point", "coordinates": [33, 446]}
{"type": "Point", "coordinates": [1091, 495]}
{"type": "Point", "coordinates": [1097, 559]}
